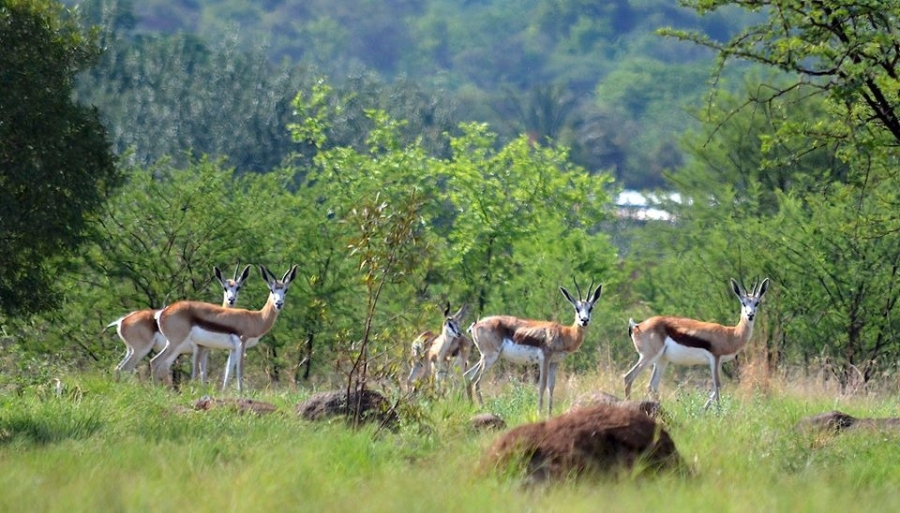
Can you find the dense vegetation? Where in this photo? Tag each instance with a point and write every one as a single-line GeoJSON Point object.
{"type": "Point", "coordinates": [57, 167]}
{"type": "Point", "coordinates": [216, 78]}
{"type": "Point", "coordinates": [789, 176]}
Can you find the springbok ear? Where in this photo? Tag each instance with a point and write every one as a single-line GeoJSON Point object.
{"type": "Point", "coordinates": [244, 275]}
{"type": "Point", "coordinates": [218, 274]}
{"type": "Point", "coordinates": [264, 273]}
{"type": "Point", "coordinates": [596, 295]}
{"type": "Point", "coordinates": [736, 288]}
{"type": "Point", "coordinates": [568, 296]}
{"type": "Point", "coordinates": [461, 312]}
{"type": "Point", "coordinates": [289, 275]}
{"type": "Point", "coordinates": [763, 287]}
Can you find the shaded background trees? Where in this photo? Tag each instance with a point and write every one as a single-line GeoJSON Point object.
{"type": "Point", "coordinates": [217, 77]}
{"type": "Point", "coordinates": [56, 164]}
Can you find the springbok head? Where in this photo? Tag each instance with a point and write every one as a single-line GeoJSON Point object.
{"type": "Point", "coordinates": [232, 286]}
{"type": "Point", "coordinates": [583, 306]}
{"type": "Point", "coordinates": [451, 327]}
{"type": "Point", "coordinates": [278, 288]}
{"type": "Point", "coordinates": [749, 300]}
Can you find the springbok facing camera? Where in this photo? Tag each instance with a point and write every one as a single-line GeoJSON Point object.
{"type": "Point", "coordinates": [216, 327]}
{"type": "Point", "coordinates": [662, 340]}
{"type": "Point", "coordinates": [201, 353]}
{"type": "Point", "coordinates": [140, 334]}
{"type": "Point", "coordinates": [433, 353]}
{"type": "Point", "coordinates": [524, 341]}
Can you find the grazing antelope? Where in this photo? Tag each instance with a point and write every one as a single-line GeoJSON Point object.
{"type": "Point", "coordinates": [524, 342]}
{"type": "Point", "coordinates": [433, 353]}
{"type": "Point", "coordinates": [139, 332]}
{"type": "Point", "coordinates": [662, 340]}
{"type": "Point", "coordinates": [213, 326]}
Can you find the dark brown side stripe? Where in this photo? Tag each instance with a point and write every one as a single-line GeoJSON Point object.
{"type": "Point", "coordinates": [688, 340]}
{"type": "Point", "coordinates": [212, 326]}
{"type": "Point", "coordinates": [524, 339]}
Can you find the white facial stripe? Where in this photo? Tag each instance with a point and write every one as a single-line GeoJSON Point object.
{"type": "Point", "coordinates": [231, 289]}
{"type": "Point", "coordinates": [451, 328]}
{"type": "Point", "coordinates": [278, 291]}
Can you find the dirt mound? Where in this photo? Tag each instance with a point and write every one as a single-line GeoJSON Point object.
{"type": "Point", "coordinates": [598, 440]}
{"type": "Point", "coordinates": [651, 408]}
{"type": "Point", "coordinates": [837, 421]}
{"type": "Point", "coordinates": [371, 405]}
{"type": "Point", "coordinates": [240, 405]}
{"type": "Point", "coordinates": [487, 421]}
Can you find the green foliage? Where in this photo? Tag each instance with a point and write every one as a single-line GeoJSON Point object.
{"type": "Point", "coordinates": [56, 164]}
{"type": "Point", "coordinates": [795, 182]}
{"type": "Point", "coordinates": [178, 97]}
{"type": "Point", "coordinates": [843, 47]}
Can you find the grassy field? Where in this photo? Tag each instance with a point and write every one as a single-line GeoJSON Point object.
{"type": "Point", "coordinates": [102, 445]}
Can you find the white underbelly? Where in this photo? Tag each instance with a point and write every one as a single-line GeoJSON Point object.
{"type": "Point", "coordinates": [684, 355]}
{"type": "Point", "coordinates": [520, 354]}
{"type": "Point", "coordinates": [213, 339]}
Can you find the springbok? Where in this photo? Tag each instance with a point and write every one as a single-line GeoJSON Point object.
{"type": "Point", "coordinates": [524, 342]}
{"type": "Point", "coordinates": [234, 329]}
{"type": "Point", "coordinates": [140, 334]}
{"type": "Point", "coordinates": [433, 353]}
{"type": "Point", "coordinates": [662, 340]}
{"type": "Point", "coordinates": [201, 353]}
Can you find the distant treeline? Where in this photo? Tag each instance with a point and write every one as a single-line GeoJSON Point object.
{"type": "Point", "coordinates": [217, 77]}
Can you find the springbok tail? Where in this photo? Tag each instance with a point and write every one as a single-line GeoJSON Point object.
{"type": "Point", "coordinates": [631, 326]}
{"type": "Point", "coordinates": [114, 323]}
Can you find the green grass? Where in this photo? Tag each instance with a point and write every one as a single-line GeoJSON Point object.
{"type": "Point", "coordinates": [129, 446]}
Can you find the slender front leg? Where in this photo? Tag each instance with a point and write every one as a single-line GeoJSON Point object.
{"type": "Point", "coordinates": [240, 364]}
{"type": "Point", "coordinates": [551, 384]}
{"type": "Point", "coordinates": [204, 365]}
{"type": "Point", "coordinates": [200, 363]}
{"type": "Point", "coordinates": [234, 357]}
{"type": "Point", "coordinates": [715, 365]}
{"type": "Point", "coordinates": [544, 363]}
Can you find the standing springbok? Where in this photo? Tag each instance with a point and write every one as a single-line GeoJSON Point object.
{"type": "Point", "coordinates": [523, 342]}
{"type": "Point", "coordinates": [433, 353]}
{"type": "Point", "coordinates": [140, 334]}
{"type": "Point", "coordinates": [213, 326]}
{"type": "Point", "coordinates": [662, 340]}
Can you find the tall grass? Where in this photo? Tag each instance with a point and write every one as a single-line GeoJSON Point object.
{"type": "Point", "coordinates": [97, 445]}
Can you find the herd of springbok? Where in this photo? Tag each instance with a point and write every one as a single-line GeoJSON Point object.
{"type": "Point", "coordinates": [194, 327]}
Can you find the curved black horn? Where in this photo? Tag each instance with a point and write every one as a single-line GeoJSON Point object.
{"type": "Point", "coordinates": [589, 290]}
{"type": "Point", "coordinates": [236, 267]}
{"type": "Point", "coordinates": [577, 288]}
